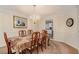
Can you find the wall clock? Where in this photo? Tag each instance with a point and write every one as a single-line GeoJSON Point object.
{"type": "Point", "coordinates": [69, 22]}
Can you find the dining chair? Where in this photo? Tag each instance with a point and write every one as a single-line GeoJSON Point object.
{"type": "Point", "coordinates": [44, 39]}
{"type": "Point", "coordinates": [8, 43]}
{"type": "Point", "coordinates": [33, 45]}
{"type": "Point", "coordinates": [30, 32]}
{"type": "Point", "coordinates": [47, 37]}
{"type": "Point", "coordinates": [22, 33]}
{"type": "Point", "coordinates": [40, 43]}
{"type": "Point", "coordinates": [36, 38]}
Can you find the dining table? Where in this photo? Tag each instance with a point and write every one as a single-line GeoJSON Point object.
{"type": "Point", "coordinates": [20, 43]}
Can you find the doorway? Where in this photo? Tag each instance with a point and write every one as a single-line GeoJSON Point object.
{"type": "Point", "coordinates": [49, 28]}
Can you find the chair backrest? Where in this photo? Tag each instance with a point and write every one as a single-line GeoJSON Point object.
{"type": "Point", "coordinates": [22, 33]}
{"type": "Point", "coordinates": [7, 43]}
{"type": "Point", "coordinates": [30, 32]}
{"type": "Point", "coordinates": [35, 37]}
{"type": "Point", "coordinates": [44, 34]}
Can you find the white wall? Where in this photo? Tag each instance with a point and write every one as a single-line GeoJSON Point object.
{"type": "Point", "coordinates": [63, 33]}
{"type": "Point", "coordinates": [6, 25]}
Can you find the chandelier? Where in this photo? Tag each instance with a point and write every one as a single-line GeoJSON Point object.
{"type": "Point", "coordinates": [35, 17]}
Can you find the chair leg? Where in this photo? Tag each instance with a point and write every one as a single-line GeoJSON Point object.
{"type": "Point", "coordinates": [9, 51]}
{"type": "Point", "coordinates": [45, 44]}
{"type": "Point", "coordinates": [30, 52]}
{"type": "Point", "coordinates": [37, 50]}
{"type": "Point", "coordinates": [48, 41]}
{"type": "Point", "coordinates": [41, 46]}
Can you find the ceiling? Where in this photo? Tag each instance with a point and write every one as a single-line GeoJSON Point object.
{"type": "Point", "coordinates": [39, 9]}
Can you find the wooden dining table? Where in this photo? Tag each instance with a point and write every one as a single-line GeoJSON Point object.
{"type": "Point", "coordinates": [20, 43]}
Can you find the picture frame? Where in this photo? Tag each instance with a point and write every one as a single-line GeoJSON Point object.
{"type": "Point", "coordinates": [19, 22]}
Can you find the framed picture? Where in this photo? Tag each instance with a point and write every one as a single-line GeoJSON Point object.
{"type": "Point", "coordinates": [19, 22]}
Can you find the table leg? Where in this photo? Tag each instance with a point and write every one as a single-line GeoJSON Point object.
{"type": "Point", "coordinates": [48, 41]}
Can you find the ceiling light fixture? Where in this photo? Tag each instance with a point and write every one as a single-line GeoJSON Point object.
{"type": "Point", "coordinates": [34, 14]}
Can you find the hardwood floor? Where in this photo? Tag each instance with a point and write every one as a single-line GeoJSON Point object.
{"type": "Point", "coordinates": [55, 47]}
{"type": "Point", "coordinates": [63, 48]}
